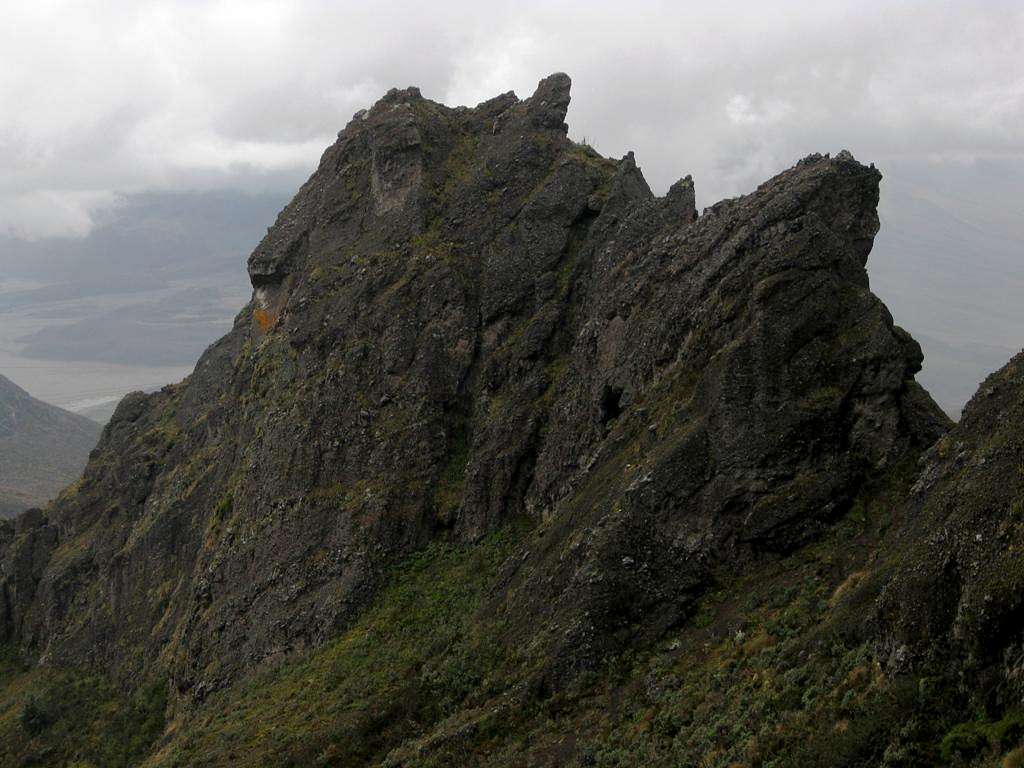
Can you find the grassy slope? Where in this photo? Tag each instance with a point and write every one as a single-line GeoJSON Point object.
{"type": "Point", "coordinates": [414, 657]}
{"type": "Point", "coordinates": [65, 718]}
{"type": "Point", "coordinates": [776, 669]}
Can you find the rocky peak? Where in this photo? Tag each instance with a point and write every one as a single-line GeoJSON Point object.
{"type": "Point", "coordinates": [398, 96]}
{"type": "Point", "coordinates": [550, 102]}
{"type": "Point", "coordinates": [463, 319]}
{"type": "Point", "coordinates": [681, 199]}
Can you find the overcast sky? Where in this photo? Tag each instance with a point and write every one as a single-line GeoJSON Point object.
{"type": "Point", "coordinates": [106, 97]}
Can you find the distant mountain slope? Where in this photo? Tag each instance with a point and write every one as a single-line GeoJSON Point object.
{"type": "Point", "coordinates": [42, 448]}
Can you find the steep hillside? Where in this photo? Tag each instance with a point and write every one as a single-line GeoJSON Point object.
{"type": "Point", "coordinates": [42, 449]}
{"type": "Point", "coordinates": [957, 599]}
{"type": "Point", "coordinates": [507, 462]}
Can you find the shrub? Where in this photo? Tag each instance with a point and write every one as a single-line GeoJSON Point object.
{"type": "Point", "coordinates": [35, 717]}
{"type": "Point", "coordinates": [964, 741]}
{"type": "Point", "coordinates": [968, 740]}
{"type": "Point", "coordinates": [1008, 732]}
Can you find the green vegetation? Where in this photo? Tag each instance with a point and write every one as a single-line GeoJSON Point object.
{"type": "Point", "coordinates": [449, 488]}
{"type": "Point", "coordinates": [969, 740]}
{"type": "Point", "coordinates": [67, 718]}
{"type": "Point", "coordinates": [825, 397]}
{"type": "Point", "coordinates": [409, 661]}
{"type": "Point", "coordinates": [775, 668]}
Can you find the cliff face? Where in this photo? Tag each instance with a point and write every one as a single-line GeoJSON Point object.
{"type": "Point", "coordinates": [463, 319]}
{"type": "Point", "coordinates": [42, 449]}
{"type": "Point", "coordinates": [957, 599]}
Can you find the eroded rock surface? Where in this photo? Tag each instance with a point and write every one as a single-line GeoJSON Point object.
{"type": "Point", "coordinates": [957, 600]}
{"type": "Point", "coordinates": [463, 318]}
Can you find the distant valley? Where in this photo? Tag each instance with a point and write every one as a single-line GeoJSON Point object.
{"type": "Point", "coordinates": [133, 305]}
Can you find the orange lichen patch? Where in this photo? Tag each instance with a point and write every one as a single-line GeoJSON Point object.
{"type": "Point", "coordinates": [1014, 759]}
{"type": "Point", "coordinates": [265, 319]}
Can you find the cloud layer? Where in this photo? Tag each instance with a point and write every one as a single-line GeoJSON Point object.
{"type": "Point", "coordinates": [111, 97]}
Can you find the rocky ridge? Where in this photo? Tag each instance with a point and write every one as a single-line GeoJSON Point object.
{"type": "Point", "coordinates": [465, 320]}
{"type": "Point", "coordinates": [957, 599]}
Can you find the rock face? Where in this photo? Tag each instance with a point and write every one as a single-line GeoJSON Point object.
{"type": "Point", "coordinates": [42, 449]}
{"type": "Point", "coordinates": [957, 601]}
{"type": "Point", "coordinates": [465, 318]}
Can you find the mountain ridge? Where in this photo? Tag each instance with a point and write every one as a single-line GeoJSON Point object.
{"type": "Point", "coordinates": [472, 340]}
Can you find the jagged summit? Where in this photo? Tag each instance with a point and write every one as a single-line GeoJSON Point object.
{"type": "Point", "coordinates": [465, 323]}
{"type": "Point", "coordinates": [550, 102]}
{"type": "Point", "coordinates": [391, 135]}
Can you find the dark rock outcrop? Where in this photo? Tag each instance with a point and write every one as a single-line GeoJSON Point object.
{"type": "Point", "coordinates": [462, 318]}
{"type": "Point", "coordinates": [957, 599]}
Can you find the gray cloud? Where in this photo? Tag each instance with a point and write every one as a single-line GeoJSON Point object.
{"type": "Point", "coordinates": [109, 98]}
